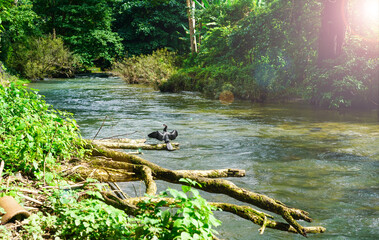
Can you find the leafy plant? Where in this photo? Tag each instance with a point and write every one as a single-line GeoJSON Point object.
{"type": "Point", "coordinates": [350, 83]}
{"type": "Point", "coordinates": [84, 26]}
{"type": "Point", "coordinates": [150, 69]}
{"type": "Point", "coordinates": [42, 57]}
{"type": "Point", "coordinates": [19, 23]}
{"type": "Point", "coordinates": [34, 136]}
{"type": "Point", "coordinates": [38, 225]}
{"type": "Point", "coordinates": [148, 25]}
{"type": "Point", "coordinates": [89, 219]}
{"type": "Point", "coordinates": [190, 217]}
{"type": "Point", "coordinates": [5, 233]}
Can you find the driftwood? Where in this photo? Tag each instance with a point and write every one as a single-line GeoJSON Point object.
{"type": "Point", "coordinates": [117, 165]}
{"type": "Point", "coordinates": [246, 212]}
{"type": "Point", "coordinates": [125, 143]}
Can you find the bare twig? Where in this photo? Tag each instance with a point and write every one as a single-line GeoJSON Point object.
{"type": "Point", "coordinates": [30, 199]}
{"type": "Point", "coordinates": [119, 189]}
{"type": "Point", "coordinates": [262, 229]}
{"type": "Point", "coordinates": [100, 128]}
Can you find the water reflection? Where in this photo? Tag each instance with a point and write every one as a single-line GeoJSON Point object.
{"type": "Point", "coordinates": [321, 161]}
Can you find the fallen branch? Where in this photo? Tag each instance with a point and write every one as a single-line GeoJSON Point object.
{"type": "Point", "coordinates": [30, 199]}
{"type": "Point", "coordinates": [246, 212]}
{"type": "Point", "coordinates": [214, 186]}
{"type": "Point", "coordinates": [133, 145]}
{"type": "Point", "coordinates": [122, 140]}
{"type": "Point", "coordinates": [113, 171]}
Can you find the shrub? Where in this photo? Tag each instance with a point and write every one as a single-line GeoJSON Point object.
{"type": "Point", "coordinates": [89, 218]}
{"type": "Point", "coordinates": [71, 216]}
{"type": "Point", "coordinates": [151, 69]}
{"type": "Point", "coordinates": [32, 134]}
{"type": "Point", "coordinates": [351, 80]}
{"type": "Point", "coordinates": [42, 57]}
{"type": "Point", "coordinates": [192, 219]}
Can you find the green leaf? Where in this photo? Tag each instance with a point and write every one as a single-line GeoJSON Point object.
{"type": "Point", "coordinates": [166, 217]}
{"type": "Point", "coordinates": [185, 236]}
{"type": "Point", "coordinates": [186, 188]}
{"type": "Point", "coordinates": [77, 222]}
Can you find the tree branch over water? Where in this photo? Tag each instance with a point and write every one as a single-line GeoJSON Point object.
{"type": "Point", "coordinates": [120, 166]}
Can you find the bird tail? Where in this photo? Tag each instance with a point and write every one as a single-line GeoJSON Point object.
{"type": "Point", "coordinates": [169, 146]}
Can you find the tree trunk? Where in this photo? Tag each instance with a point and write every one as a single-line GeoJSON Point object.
{"type": "Point", "coordinates": [210, 185]}
{"type": "Point", "coordinates": [191, 23]}
{"type": "Point", "coordinates": [333, 28]}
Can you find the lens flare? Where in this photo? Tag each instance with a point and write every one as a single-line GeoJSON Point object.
{"type": "Point", "coordinates": [226, 97]}
{"type": "Point", "coordinates": [371, 9]}
{"type": "Point", "coordinates": [364, 19]}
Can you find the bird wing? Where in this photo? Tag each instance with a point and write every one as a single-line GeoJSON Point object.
{"type": "Point", "coordinates": [158, 135]}
{"type": "Point", "coordinates": [173, 134]}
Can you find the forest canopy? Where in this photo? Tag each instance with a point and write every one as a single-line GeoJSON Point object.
{"type": "Point", "coordinates": [325, 52]}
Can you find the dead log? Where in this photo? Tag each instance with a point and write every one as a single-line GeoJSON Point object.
{"type": "Point", "coordinates": [245, 212]}
{"type": "Point", "coordinates": [214, 186]}
{"type": "Point", "coordinates": [107, 170]}
{"type": "Point", "coordinates": [133, 144]}
{"type": "Point", "coordinates": [122, 140]}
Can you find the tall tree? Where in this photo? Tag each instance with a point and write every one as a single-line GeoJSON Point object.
{"type": "Point", "coordinates": [146, 25]}
{"type": "Point", "coordinates": [333, 28]}
{"type": "Point", "coordinates": [85, 25]}
{"type": "Point", "coordinates": [191, 23]}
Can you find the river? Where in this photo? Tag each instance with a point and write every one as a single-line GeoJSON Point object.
{"type": "Point", "coordinates": [321, 161]}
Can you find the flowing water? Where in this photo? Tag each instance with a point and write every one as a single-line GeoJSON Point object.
{"type": "Point", "coordinates": [321, 161]}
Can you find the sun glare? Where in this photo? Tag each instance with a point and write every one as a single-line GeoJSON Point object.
{"type": "Point", "coordinates": [371, 9]}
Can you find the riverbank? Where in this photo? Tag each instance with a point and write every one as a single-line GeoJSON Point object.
{"type": "Point", "coordinates": [39, 146]}
{"type": "Point", "coordinates": [41, 150]}
{"type": "Point", "coordinates": [279, 146]}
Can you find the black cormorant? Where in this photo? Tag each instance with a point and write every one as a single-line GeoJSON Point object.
{"type": "Point", "coordinates": [165, 136]}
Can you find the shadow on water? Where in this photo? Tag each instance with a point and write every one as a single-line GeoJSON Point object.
{"type": "Point", "coordinates": [318, 160]}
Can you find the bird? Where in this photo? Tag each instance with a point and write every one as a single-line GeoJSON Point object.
{"type": "Point", "coordinates": [165, 136]}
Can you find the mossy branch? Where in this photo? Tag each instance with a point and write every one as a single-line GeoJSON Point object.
{"type": "Point", "coordinates": [122, 160]}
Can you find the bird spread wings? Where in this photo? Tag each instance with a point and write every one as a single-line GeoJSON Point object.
{"type": "Point", "coordinates": [158, 135]}
{"type": "Point", "coordinates": [173, 134]}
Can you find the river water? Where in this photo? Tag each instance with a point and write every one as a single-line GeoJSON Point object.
{"type": "Point", "coordinates": [321, 161]}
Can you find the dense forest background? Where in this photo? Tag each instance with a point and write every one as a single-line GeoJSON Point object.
{"type": "Point", "coordinates": [323, 51]}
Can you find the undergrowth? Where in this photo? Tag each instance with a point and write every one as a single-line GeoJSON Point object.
{"type": "Point", "coordinates": [35, 138]}
{"type": "Point", "coordinates": [83, 214]}
{"type": "Point", "coordinates": [150, 69]}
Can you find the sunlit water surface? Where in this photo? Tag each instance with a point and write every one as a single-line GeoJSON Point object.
{"type": "Point", "coordinates": [324, 162]}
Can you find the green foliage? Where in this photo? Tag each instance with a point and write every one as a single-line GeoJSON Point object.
{"type": "Point", "coordinates": [267, 50]}
{"type": "Point", "coordinates": [73, 216]}
{"type": "Point", "coordinates": [193, 218]}
{"type": "Point", "coordinates": [32, 134]}
{"type": "Point", "coordinates": [5, 233]}
{"type": "Point", "coordinates": [88, 218]}
{"type": "Point", "coordinates": [38, 225]}
{"type": "Point", "coordinates": [85, 26]}
{"type": "Point", "coordinates": [146, 25]}
{"type": "Point", "coordinates": [4, 6]}
{"type": "Point", "coordinates": [150, 69]}
{"type": "Point", "coordinates": [37, 58]}
{"type": "Point", "coordinates": [222, 13]}
{"type": "Point", "coordinates": [245, 52]}
{"type": "Point", "coordinates": [351, 80]}
{"type": "Point", "coordinates": [19, 23]}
